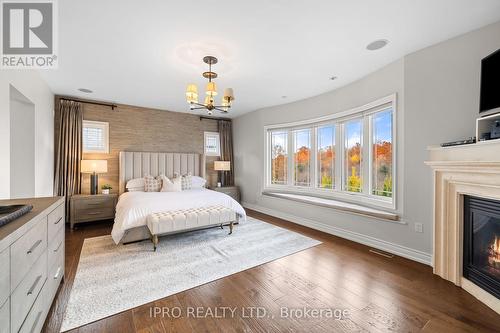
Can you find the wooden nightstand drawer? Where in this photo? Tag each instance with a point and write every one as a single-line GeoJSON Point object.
{"type": "Point", "coordinates": [93, 204]}
{"type": "Point", "coordinates": [93, 214]}
{"type": "Point", "coordinates": [232, 191]}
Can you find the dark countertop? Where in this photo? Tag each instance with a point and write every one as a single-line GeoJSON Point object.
{"type": "Point", "coordinates": [40, 205]}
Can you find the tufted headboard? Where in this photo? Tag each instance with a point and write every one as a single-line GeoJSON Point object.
{"type": "Point", "coordinates": [134, 164]}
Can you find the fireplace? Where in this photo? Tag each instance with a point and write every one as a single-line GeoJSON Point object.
{"type": "Point", "coordinates": [481, 251]}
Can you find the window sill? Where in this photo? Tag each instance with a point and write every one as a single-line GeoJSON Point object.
{"type": "Point", "coordinates": [338, 205]}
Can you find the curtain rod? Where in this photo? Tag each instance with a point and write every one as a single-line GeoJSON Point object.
{"type": "Point", "coordinates": [112, 106]}
{"type": "Point", "coordinates": [214, 118]}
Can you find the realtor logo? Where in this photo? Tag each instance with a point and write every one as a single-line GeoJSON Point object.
{"type": "Point", "coordinates": [28, 34]}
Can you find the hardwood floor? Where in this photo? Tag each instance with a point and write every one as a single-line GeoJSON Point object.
{"type": "Point", "coordinates": [378, 293]}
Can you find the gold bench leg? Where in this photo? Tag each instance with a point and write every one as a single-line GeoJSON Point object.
{"type": "Point", "coordinates": [155, 242]}
{"type": "Point", "coordinates": [231, 227]}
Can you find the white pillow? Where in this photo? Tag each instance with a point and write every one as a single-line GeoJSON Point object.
{"type": "Point", "coordinates": [136, 184]}
{"type": "Point", "coordinates": [198, 182]}
{"type": "Point", "coordinates": [171, 185]}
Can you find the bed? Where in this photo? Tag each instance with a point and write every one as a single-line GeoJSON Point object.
{"type": "Point", "coordinates": [134, 207]}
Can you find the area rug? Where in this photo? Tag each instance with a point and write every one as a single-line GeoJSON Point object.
{"type": "Point", "coordinates": [111, 279]}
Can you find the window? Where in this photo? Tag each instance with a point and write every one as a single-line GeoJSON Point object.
{"type": "Point", "coordinates": [212, 144]}
{"type": "Point", "coordinates": [353, 154]}
{"type": "Point", "coordinates": [382, 153]}
{"type": "Point", "coordinates": [349, 155]}
{"type": "Point", "coordinates": [279, 157]}
{"type": "Point", "coordinates": [326, 156]}
{"type": "Point", "coordinates": [95, 136]}
{"type": "Point", "coordinates": [302, 157]}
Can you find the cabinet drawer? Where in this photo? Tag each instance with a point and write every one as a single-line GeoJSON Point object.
{"type": "Point", "coordinates": [54, 277]}
{"type": "Point", "coordinates": [4, 275]}
{"type": "Point", "coordinates": [94, 203]}
{"type": "Point", "coordinates": [55, 222]}
{"type": "Point", "coordinates": [5, 317]}
{"type": "Point", "coordinates": [26, 250]}
{"type": "Point", "coordinates": [36, 317]}
{"type": "Point", "coordinates": [96, 213]}
{"type": "Point", "coordinates": [55, 247]}
{"type": "Point", "coordinates": [26, 293]}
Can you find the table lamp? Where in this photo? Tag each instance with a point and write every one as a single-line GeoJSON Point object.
{"type": "Point", "coordinates": [94, 167]}
{"type": "Point", "coordinates": [222, 166]}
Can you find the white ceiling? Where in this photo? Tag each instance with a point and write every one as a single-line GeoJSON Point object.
{"type": "Point", "coordinates": [145, 52]}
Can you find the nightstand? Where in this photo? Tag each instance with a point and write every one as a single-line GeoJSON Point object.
{"type": "Point", "coordinates": [87, 208]}
{"type": "Point", "coordinates": [232, 191]}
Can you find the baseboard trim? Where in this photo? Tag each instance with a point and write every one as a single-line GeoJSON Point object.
{"type": "Point", "coordinates": [399, 250]}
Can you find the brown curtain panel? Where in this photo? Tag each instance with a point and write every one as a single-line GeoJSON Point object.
{"type": "Point", "coordinates": [68, 150]}
{"type": "Point", "coordinates": [226, 149]}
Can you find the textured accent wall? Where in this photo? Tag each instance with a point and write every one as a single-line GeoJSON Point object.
{"type": "Point", "coordinates": [133, 128]}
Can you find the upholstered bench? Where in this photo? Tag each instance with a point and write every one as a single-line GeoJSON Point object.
{"type": "Point", "coordinates": [188, 219]}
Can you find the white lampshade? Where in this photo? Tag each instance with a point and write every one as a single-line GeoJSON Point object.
{"type": "Point", "coordinates": [91, 166]}
{"type": "Point", "coordinates": [228, 94]}
{"type": "Point", "coordinates": [222, 165]}
{"type": "Point", "coordinates": [211, 89]}
{"type": "Point", "coordinates": [192, 93]}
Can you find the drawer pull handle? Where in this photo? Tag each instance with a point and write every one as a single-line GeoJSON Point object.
{"type": "Point", "coordinates": [94, 213]}
{"type": "Point", "coordinates": [36, 322]}
{"type": "Point", "coordinates": [57, 273]}
{"type": "Point", "coordinates": [95, 203]}
{"type": "Point", "coordinates": [60, 219]}
{"type": "Point", "coordinates": [38, 242]}
{"type": "Point", "coordinates": [34, 285]}
{"type": "Point", "coordinates": [58, 247]}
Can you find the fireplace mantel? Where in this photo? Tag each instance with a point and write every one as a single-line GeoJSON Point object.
{"type": "Point", "coordinates": [462, 170]}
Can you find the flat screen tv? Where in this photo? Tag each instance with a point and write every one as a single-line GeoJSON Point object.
{"type": "Point", "coordinates": [490, 84]}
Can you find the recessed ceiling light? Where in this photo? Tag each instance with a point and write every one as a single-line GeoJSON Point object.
{"type": "Point", "coordinates": [85, 90]}
{"type": "Point", "coordinates": [377, 44]}
{"type": "Point", "coordinates": [333, 78]}
{"type": "Point", "coordinates": [284, 96]}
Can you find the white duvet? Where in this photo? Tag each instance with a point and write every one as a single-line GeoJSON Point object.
{"type": "Point", "coordinates": [134, 207]}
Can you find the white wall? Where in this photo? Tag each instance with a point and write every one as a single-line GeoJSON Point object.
{"type": "Point", "coordinates": [438, 93]}
{"type": "Point", "coordinates": [29, 84]}
{"type": "Point", "coordinates": [22, 146]}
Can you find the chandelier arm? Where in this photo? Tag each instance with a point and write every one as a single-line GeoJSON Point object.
{"type": "Point", "coordinates": [200, 108]}
{"type": "Point", "coordinates": [220, 110]}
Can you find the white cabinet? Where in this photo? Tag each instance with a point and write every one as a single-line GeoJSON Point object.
{"type": "Point", "coordinates": [32, 265]}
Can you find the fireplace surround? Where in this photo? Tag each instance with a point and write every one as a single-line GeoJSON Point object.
{"type": "Point", "coordinates": [461, 172]}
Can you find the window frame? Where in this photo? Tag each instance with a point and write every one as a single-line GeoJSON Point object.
{"type": "Point", "coordinates": [96, 124]}
{"type": "Point", "coordinates": [207, 134]}
{"type": "Point", "coordinates": [338, 120]}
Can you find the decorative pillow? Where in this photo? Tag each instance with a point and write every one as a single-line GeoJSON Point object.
{"type": "Point", "coordinates": [171, 185]}
{"type": "Point", "coordinates": [134, 185]}
{"type": "Point", "coordinates": [198, 182]}
{"type": "Point", "coordinates": [152, 184]}
{"type": "Point", "coordinates": [187, 182]}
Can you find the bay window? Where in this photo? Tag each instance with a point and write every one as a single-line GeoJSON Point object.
{"type": "Point", "coordinates": [348, 155]}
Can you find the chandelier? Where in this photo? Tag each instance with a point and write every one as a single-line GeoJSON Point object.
{"type": "Point", "coordinates": [211, 91]}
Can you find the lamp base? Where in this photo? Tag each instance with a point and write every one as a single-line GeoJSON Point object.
{"type": "Point", "coordinates": [94, 181]}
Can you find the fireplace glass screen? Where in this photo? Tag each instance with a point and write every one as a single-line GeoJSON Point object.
{"type": "Point", "coordinates": [482, 243]}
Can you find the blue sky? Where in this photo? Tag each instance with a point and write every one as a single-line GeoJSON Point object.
{"type": "Point", "coordinates": [383, 126]}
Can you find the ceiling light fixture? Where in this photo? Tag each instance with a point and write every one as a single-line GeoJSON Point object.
{"type": "Point", "coordinates": [377, 44]}
{"type": "Point", "coordinates": [210, 91]}
{"type": "Point", "coordinates": [85, 90]}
